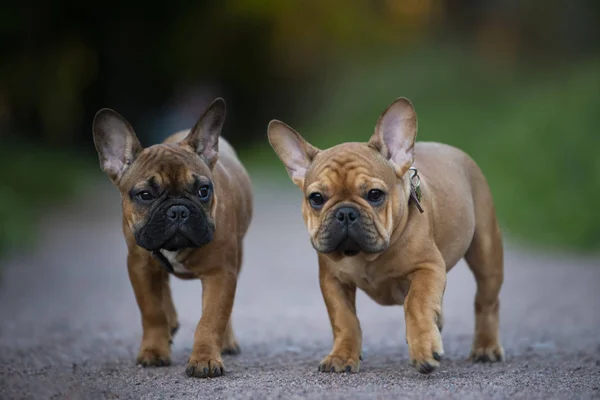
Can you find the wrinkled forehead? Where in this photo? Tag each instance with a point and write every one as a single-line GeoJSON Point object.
{"type": "Point", "coordinates": [349, 167]}
{"type": "Point", "coordinates": [167, 165]}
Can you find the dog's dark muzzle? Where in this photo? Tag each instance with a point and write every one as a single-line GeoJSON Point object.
{"type": "Point", "coordinates": [347, 231]}
{"type": "Point", "coordinates": [341, 232]}
{"type": "Point", "coordinates": [175, 224]}
{"type": "Point", "coordinates": [347, 221]}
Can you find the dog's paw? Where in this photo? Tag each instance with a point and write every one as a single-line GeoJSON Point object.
{"type": "Point", "coordinates": [428, 364]}
{"type": "Point", "coordinates": [152, 357]}
{"type": "Point", "coordinates": [231, 349]}
{"type": "Point", "coordinates": [204, 368]}
{"type": "Point", "coordinates": [487, 354]}
{"type": "Point", "coordinates": [333, 363]}
{"type": "Point", "coordinates": [426, 352]}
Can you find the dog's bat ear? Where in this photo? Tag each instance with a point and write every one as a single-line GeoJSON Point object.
{"type": "Point", "coordinates": [395, 134]}
{"type": "Point", "coordinates": [116, 143]}
{"type": "Point", "coordinates": [204, 136]}
{"type": "Point", "coordinates": [291, 148]}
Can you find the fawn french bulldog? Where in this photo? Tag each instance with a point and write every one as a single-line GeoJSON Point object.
{"type": "Point", "coordinates": [392, 217]}
{"type": "Point", "coordinates": [187, 204]}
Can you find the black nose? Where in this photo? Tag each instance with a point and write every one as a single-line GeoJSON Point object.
{"type": "Point", "coordinates": [178, 213]}
{"type": "Point", "coordinates": [347, 215]}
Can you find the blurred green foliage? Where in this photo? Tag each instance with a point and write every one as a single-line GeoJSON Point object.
{"type": "Point", "coordinates": [33, 180]}
{"type": "Point", "coordinates": [535, 136]}
{"type": "Point", "coordinates": [515, 84]}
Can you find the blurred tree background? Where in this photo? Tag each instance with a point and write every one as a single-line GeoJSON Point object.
{"type": "Point", "coordinates": [514, 83]}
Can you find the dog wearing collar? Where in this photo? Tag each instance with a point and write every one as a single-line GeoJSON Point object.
{"type": "Point", "coordinates": [362, 207]}
{"type": "Point", "coordinates": [187, 204]}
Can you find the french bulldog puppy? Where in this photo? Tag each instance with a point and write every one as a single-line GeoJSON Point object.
{"type": "Point", "coordinates": [187, 204]}
{"type": "Point", "coordinates": [362, 207]}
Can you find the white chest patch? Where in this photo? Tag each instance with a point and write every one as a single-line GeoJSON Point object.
{"type": "Point", "coordinates": [172, 257]}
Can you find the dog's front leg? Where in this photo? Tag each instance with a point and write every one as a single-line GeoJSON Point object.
{"type": "Point", "coordinates": [423, 313]}
{"type": "Point", "coordinates": [218, 292]}
{"type": "Point", "coordinates": [340, 300]}
{"type": "Point", "coordinates": [148, 282]}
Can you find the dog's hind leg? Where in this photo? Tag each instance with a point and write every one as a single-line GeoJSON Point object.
{"type": "Point", "coordinates": [230, 344]}
{"type": "Point", "coordinates": [485, 259]}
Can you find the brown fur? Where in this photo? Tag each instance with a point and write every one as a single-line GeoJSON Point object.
{"type": "Point", "coordinates": [217, 263]}
{"type": "Point", "coordinates": [416, 250]}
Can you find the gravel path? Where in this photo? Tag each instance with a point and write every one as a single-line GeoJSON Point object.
{"type": "Point", "coordinates": [71, 329]}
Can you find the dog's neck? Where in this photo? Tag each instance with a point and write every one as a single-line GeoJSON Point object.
{"type": "Point", "coordinates": [168, 260]}
{"type": "Point", "coordinates": [410, 210]}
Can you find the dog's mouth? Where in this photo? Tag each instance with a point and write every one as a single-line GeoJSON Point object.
{"type": "Point", "coordinates": [175, 225]}
{"type": "Point", "coordinates": [173, 241]}
{"type": "Point", "coordinates": [178, 242]}
{"type": "Point", "coordinates": [349, 248]}
{"type": "Point", "coordinates": [347, 241]}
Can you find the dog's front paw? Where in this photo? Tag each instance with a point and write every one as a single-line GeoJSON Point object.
{"type": "Point", "coordinates": [334, 363]}
{"type": "Point", "coordinates": [205, 367]}
{"type": "Point", "coordinates": [493, 353]}
{"type": "Point", "coordinates": [426, 351]}
{"type": "Point", "coordinates": [154, 357]}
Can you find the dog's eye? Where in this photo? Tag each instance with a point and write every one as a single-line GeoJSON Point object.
{"type": "Point", "coordinates": [375, 196]}
{"type": "Point", "coordinates": [316, 200]}
{"type": "Point", "coordinates": [204, 192]}
{"type": "Point", "coordinates": [145, 196]}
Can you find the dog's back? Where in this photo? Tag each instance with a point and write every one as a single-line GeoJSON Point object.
{"type": "Point", "coordinates": [459, 192]}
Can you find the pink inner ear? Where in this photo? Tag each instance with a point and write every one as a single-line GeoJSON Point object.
{"type": "Point", "coordinates": [392, 133]}
{"type": "Point", "coordinates": [297, 160]}
{"type": "Point", "coordinates": [115, 154]}
{"type": "Point", "coordinates": [295, 153]}
{"type": "Point", "coordinates": [113, 167]}
{"type": "Point", "coordinates": [297, 164]}
{"type": "Point", "coordinates": [398, 131]}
